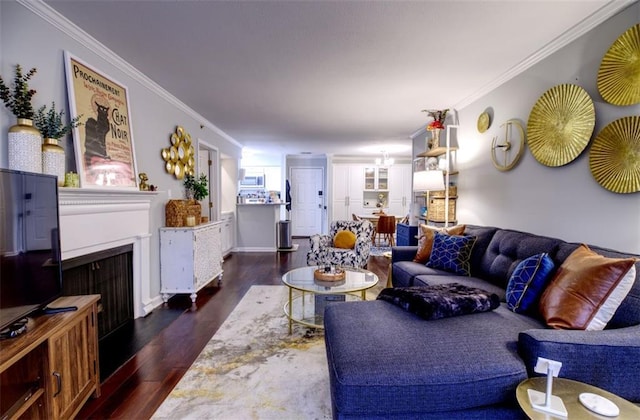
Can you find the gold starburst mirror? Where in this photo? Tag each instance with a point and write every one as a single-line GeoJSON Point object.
{"type": "Point", "coordinates": [619, 73]}
{"type": "Point", "coordinates": [179, 158]}
{"type": "Point", "coordinates": [560, 125]}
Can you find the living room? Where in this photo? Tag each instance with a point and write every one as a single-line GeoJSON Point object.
{"type": "Point", "coordinates": [563, 202]}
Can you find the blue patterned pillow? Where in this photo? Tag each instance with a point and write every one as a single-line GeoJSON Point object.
{"type": "Point", "coordinates": [528, 282]}
{"type": "Point", "coordinates": [452, 253]}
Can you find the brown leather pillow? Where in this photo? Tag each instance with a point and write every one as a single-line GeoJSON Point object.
{"type": "Point", "coordinates": [425, 244]}
{"type": "Point", "coordinates": [586, 290]}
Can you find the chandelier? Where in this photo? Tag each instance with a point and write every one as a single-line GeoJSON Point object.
{"type": "Point", "coordinates": [385, 160]}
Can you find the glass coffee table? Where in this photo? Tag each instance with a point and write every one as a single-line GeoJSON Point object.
{"type": "Point", "coordinates": [307, 307]}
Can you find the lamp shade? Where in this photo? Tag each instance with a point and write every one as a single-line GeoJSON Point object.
{"type": "Point", "coordinates": [428, 181]}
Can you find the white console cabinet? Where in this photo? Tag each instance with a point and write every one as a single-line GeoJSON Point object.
{"type": "Point", "coordinates": [190, 258]}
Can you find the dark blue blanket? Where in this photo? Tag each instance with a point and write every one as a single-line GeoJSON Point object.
{"type": "Point", "coordinates": [441, 301]}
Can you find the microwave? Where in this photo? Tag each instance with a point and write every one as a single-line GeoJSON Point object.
{"type": "Point", "coordinates": [252, 181]}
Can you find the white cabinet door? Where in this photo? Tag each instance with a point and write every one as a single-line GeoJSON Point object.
{"type": "Point", "coordinates": [400, 189]}
{"type": "Point", "coordinates": [228, 229]}
{"type": "Point", "coordinates": [348, 180]}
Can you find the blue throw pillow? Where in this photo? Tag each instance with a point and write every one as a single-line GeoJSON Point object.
{"type": "Point", "coordinates": [452, 253]}
{"type": "Point", "coordinates": [528, 282]}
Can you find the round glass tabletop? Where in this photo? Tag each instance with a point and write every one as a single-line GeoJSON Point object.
{"type": "Point", "coordinates": [356, 280]}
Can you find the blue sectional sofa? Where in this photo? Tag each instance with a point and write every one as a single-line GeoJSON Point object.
{"type": "Point", "coordinates": [385, 362]}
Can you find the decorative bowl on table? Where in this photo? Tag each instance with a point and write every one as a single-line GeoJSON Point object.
{"type": "Point", "coordinates": [329, 273]}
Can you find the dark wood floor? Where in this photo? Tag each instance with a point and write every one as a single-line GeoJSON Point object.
{"type": "Point", "coordinates": [137, 389]}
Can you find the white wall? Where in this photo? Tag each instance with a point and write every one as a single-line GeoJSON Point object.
{"type": "Point", "coordinates": [564, 202]}
{"type": "Point", "coordinates": [39, 39]}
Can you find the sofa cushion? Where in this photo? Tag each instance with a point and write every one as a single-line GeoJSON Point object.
{"type": "Point", "coordinates": [506, 250]}
{"type": "Point", "coordinates": [344, 239]}
{"type": "Point", "coordinates": [452, 253]}
{"type": "Point", "coordinates": [586, 290]}
{"type": "Point", "coordinates": [483, 235]}
{"type": "Point", "coordinates": [403, 273]}
{"type": "Point", "coordinates": [427, 234]}
{"type": "Point", "coordinates": [528, 282]}
{"type": "Point", "coordinates": [384, 360]}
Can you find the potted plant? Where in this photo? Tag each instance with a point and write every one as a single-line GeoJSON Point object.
{"type": "Point", "coordinates": [19, 101]}
{"type": "Point", "coordinates": [24, 140]}
{"type": "Point", "coordinates": [51, 126]}
{"type": "Point", "coordinates": [196, 189]}
{"type": "Point", "coordinates": [50, 122]}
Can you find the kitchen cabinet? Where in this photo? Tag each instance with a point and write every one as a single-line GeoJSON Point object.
{"type": "Point", "coordinates": [347, 188]}
{"type": "Point", "coordinates": [376, 178]}
{"type": "Point", "coordinates": [400, 184]}
{"type": "Point", "coordinates": [228, 232]}
{"type": "Point", "coordinates": [190, 258]}
{"type": "Point", "coordinates": [362, 189]}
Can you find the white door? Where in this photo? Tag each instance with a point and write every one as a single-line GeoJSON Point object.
{"type": "Point", "coordinates": [307, 201]}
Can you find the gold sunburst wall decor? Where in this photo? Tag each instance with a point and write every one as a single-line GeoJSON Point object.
{"type": "Point", "coordinates": [560, 124]}
{"type": "Point", "coordinates": [619, 73]}
{"type": "Point", "coordinates": [179, 158]}
{"type": "Point", "coordinates": [614, 156]}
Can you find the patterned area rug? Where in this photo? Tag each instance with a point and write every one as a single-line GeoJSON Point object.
{"type": "Point", "coordinates": [253, 369]}
{"type": "Point", "coordinates": [379, 251]}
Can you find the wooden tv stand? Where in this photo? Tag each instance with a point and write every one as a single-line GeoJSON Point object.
{"type": "Point", "coordinates": [52, 369]}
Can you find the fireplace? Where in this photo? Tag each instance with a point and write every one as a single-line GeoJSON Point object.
{"type": "Point", "coordinates": [101, 221]}
{"type": "Point", "coordinates": [108, 273]}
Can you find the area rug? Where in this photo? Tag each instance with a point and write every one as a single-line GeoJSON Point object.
{"type": "Point", "coordinates": [253, 369]}
{"type": "Point", "coordinates": [379, 251]}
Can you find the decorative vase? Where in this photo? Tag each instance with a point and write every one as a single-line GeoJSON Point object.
{"type": "Point", "coordinates": [435, 138]}
{"type": "Point", "coordinates": [25, 147]}
{"type": "Point", "coordinates": [53, 160]}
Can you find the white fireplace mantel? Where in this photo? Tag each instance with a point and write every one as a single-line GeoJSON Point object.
{"type": "Point", "coordinates": [93, 220]}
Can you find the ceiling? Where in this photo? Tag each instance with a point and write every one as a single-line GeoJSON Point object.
{"type": "Point", "coordinates": [330, 77]}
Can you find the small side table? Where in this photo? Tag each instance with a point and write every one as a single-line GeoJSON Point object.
{"type": "Point", "coordinates": [569, 391]}
{"type": "Point", "coordinates": [406, 235]}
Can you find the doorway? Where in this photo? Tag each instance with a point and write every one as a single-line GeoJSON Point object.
{"type": "Point", "coordinates": [307, 200]}
{"type": "Point", "coordinates": [209, 164]}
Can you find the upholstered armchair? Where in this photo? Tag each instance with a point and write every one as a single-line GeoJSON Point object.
{"type": "Point", "coordinates": [323, 251]}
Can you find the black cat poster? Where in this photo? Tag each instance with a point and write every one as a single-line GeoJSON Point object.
{"type": "Point", "coordinates": [104, 141]}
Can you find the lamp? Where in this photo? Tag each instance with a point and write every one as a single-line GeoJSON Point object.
{"type": "Point", "coordinates": [428, 181]}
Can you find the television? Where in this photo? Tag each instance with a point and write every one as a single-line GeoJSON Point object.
{"type": "Point", "coordinates": [30, 266]}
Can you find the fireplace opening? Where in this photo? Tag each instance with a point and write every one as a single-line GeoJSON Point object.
{"type": "Point", "coordinates": [108, 273]}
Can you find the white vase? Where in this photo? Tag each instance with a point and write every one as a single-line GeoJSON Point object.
{"type": "Point", "coordinates": [25, 143]}
{"type": "Point", "coordinates": [53, 159]}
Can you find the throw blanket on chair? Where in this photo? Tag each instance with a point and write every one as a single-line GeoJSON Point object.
{"type": "Point", "coordinates": [441, 301]}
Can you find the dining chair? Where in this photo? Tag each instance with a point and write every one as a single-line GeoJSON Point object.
{"type": "Point", "coordinates": [386, 228]}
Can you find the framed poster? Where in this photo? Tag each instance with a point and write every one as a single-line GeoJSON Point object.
{"type": "Point", "coordinates": [104, 142]}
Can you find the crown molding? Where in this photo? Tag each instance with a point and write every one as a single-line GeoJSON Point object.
{"type": "Point", "coordinates": [53, 17]}
{"type": "Point", "coordinates": [595, 19]}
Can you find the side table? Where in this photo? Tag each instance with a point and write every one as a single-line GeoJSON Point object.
{"type": "Point", "coordinates": [406, 235]}
{"type": "Point", "coordinates": [569, 391]}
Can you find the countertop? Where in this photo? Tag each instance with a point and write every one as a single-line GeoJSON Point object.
{"type": "Point", "coordinates": [261, 204]}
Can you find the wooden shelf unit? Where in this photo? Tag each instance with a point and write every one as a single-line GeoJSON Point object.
{"type": "Point", "coordinates": [52, 369]}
